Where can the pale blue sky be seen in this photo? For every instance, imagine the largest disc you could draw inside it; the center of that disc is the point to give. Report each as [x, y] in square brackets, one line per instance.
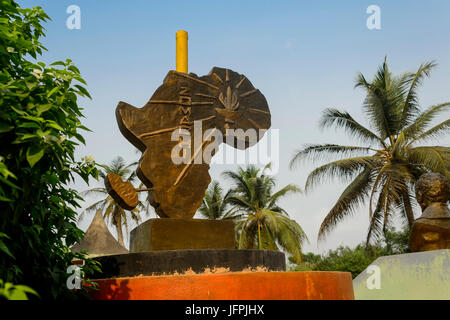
[302, 55]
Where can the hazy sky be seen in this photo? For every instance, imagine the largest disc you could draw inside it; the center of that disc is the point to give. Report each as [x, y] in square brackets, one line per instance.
[302, 55]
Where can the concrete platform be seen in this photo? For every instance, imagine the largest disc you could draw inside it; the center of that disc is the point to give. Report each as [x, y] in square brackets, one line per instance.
[411, 276]
[307, 285]
[177, 234]
[179, 261]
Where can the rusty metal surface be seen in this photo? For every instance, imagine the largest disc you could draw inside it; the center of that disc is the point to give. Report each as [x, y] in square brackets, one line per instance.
[122, 192]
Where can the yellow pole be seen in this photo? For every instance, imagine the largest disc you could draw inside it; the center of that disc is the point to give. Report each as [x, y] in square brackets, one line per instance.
[182, 51]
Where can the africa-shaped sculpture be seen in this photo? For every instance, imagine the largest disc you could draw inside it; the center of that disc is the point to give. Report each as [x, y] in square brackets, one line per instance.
[223, 100]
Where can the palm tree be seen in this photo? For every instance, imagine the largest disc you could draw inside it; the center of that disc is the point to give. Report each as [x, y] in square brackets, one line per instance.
[388, 167]
[215, 204]
[117, 216]
[264, 224]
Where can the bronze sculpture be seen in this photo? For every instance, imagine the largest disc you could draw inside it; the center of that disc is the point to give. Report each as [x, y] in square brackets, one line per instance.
[432, 230]
[178, 131]
[223, 100]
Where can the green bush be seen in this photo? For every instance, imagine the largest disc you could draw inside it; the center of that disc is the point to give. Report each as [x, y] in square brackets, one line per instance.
[39, 130]
[355, 260]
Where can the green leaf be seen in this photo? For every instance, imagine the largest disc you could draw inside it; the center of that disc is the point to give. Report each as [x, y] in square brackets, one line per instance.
[80, 79]
[26, 289]
[54, 125]
[85, 128]
[4, 235]
[5, 249]
[74, 69]
[18, 111]
[83, 90]
[80, 138]
[4, 127]
[58, 63]
[41, 133]
[29, 125]
[23, 137]
[9, 183]
[32, 118]
[17, 295]
[4, 199]
[30, 85]
[53, 91]
[34, 154]
[43, 108]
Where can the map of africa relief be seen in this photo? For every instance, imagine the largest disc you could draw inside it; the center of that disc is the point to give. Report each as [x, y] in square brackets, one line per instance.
[223, 100]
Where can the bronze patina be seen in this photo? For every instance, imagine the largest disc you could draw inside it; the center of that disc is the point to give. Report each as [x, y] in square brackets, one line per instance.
[122, 192]
[223, 100]
[432, 230]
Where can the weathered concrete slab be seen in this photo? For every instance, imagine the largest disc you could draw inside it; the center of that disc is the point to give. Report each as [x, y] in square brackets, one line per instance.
[176, 234]
[180, 261]
[419, 275]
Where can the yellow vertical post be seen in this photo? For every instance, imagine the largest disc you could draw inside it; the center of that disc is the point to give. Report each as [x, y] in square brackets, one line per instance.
[182, 51]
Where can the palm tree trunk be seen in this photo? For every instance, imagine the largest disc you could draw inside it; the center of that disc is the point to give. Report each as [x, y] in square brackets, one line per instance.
[118, 218]
[259, 236]
[408, 209]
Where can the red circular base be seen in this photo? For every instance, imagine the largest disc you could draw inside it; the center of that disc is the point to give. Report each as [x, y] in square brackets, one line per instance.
[302, 285]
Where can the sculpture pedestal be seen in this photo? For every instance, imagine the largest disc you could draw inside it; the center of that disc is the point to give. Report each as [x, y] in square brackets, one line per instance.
[177, 234]
[213, 269]
[180, 261]
[410, 276]
[314, 285]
